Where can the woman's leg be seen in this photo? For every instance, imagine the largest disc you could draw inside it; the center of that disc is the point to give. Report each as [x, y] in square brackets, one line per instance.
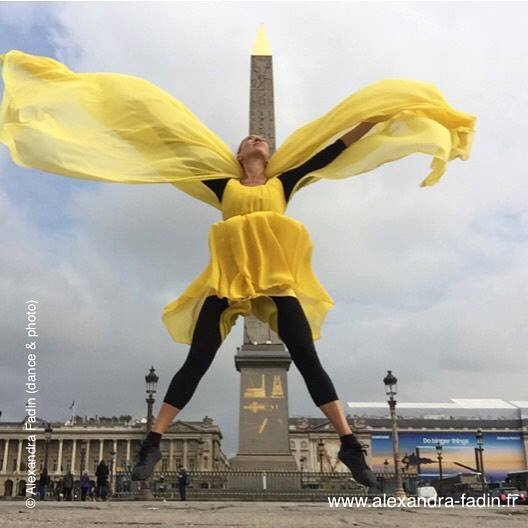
[335, 413]
[205, 343]
[295, 332]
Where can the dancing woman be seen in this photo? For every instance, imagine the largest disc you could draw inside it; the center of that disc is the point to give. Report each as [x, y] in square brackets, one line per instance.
[118, 128]
[255, 204]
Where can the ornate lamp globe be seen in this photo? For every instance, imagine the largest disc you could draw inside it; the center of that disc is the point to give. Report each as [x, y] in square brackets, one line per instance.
[152, 381]
[390, 382]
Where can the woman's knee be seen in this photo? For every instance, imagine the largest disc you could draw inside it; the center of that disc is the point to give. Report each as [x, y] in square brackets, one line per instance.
[308, 363]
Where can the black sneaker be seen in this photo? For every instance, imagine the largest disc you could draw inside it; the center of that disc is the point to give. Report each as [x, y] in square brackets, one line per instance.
[149, 455]
[354, 459]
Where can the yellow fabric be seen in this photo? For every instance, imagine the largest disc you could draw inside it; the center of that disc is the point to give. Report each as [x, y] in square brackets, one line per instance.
[256, 251]
[107, 127]
[120, 128]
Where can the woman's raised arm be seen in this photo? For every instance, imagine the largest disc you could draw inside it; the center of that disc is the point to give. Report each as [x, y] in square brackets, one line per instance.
[356, 133]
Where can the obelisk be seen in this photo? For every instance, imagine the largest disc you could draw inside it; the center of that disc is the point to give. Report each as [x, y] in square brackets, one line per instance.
[262, 361]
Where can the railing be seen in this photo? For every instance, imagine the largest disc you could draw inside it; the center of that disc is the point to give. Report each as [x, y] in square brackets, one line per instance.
[249, 485]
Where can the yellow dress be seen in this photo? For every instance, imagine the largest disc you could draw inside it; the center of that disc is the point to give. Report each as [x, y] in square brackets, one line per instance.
[256, 251]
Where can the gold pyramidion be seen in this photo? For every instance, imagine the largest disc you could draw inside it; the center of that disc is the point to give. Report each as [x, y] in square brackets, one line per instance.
[261, 45]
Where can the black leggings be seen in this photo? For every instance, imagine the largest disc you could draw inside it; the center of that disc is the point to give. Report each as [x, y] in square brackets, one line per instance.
[293, 329]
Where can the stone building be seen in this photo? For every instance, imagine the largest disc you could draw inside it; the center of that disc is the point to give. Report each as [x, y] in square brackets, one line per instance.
[314, 443]
[83, 444]
[421, 427]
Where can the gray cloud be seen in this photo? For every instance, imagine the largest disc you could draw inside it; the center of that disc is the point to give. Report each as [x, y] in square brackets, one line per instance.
[429, 282]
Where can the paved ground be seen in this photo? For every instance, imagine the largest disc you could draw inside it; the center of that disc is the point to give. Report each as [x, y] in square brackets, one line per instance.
[15, 514]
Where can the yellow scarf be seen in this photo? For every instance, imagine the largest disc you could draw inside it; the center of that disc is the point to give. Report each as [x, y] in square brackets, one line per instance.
[120, 128]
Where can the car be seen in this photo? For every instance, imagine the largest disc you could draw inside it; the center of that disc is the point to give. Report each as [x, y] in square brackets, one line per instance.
[506, 496]
[426, 492]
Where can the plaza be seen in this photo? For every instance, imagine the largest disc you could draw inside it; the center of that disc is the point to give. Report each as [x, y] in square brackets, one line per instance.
[250, 514]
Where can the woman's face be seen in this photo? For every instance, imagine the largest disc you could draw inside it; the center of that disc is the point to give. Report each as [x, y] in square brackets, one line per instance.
[253, 144]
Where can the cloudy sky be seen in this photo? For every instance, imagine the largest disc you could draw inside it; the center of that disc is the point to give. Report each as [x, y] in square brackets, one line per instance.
[430, 282]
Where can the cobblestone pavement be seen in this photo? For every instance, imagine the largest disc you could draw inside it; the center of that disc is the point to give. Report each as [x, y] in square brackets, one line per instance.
[219, 514]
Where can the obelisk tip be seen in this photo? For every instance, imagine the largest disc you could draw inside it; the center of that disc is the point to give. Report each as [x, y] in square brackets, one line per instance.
[261, 45]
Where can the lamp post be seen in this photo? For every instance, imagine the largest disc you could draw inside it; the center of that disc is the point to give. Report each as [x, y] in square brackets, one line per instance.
[439, 457]
[302, 460]
[390, 382]
[152, 383]
[112, 465]
[385, 471]
[321, 453]
[480, 448]
[151, 380]
[83, 454]
[47, 439]
[200, 452]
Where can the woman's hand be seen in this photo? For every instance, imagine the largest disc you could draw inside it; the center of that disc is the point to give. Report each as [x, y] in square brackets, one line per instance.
[356, 133]
[377, 119]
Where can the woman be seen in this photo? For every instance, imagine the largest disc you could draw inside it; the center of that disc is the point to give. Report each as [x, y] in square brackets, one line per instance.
[44, 481]
[183, 482]
[85, 484]
[293, 326]
[120, 128]
[58, 489]
[67, 485]
[102, 473]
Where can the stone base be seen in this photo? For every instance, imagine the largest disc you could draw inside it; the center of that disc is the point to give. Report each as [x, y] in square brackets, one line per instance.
[251, 462]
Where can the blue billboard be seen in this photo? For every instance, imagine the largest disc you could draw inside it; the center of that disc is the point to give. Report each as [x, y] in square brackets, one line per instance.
[503, 452]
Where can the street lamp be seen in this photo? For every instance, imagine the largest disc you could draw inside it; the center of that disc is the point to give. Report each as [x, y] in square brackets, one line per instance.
[385, 471]
[151, 380]
[390, 382]
[439, 456]
[83, 454]
[200, 452]
[480, 448]
[47, 439]
[112, 454]
[321, 453]
[152, 383]
[302, 460]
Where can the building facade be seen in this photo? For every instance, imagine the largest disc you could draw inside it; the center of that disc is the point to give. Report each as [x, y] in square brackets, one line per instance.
[421, 427]
[83, 444]
[313, 442]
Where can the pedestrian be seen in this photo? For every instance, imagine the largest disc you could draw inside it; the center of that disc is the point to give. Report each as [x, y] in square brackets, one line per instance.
[161, 485]
[85, 484]
[183, 482]
[51, 488]
[91, 491]
[67, 485]
[58, 489]
[44, 481]
[102, 473]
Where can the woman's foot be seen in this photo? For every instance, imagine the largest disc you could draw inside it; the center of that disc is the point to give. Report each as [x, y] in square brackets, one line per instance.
[352, 455]
[148, 456]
